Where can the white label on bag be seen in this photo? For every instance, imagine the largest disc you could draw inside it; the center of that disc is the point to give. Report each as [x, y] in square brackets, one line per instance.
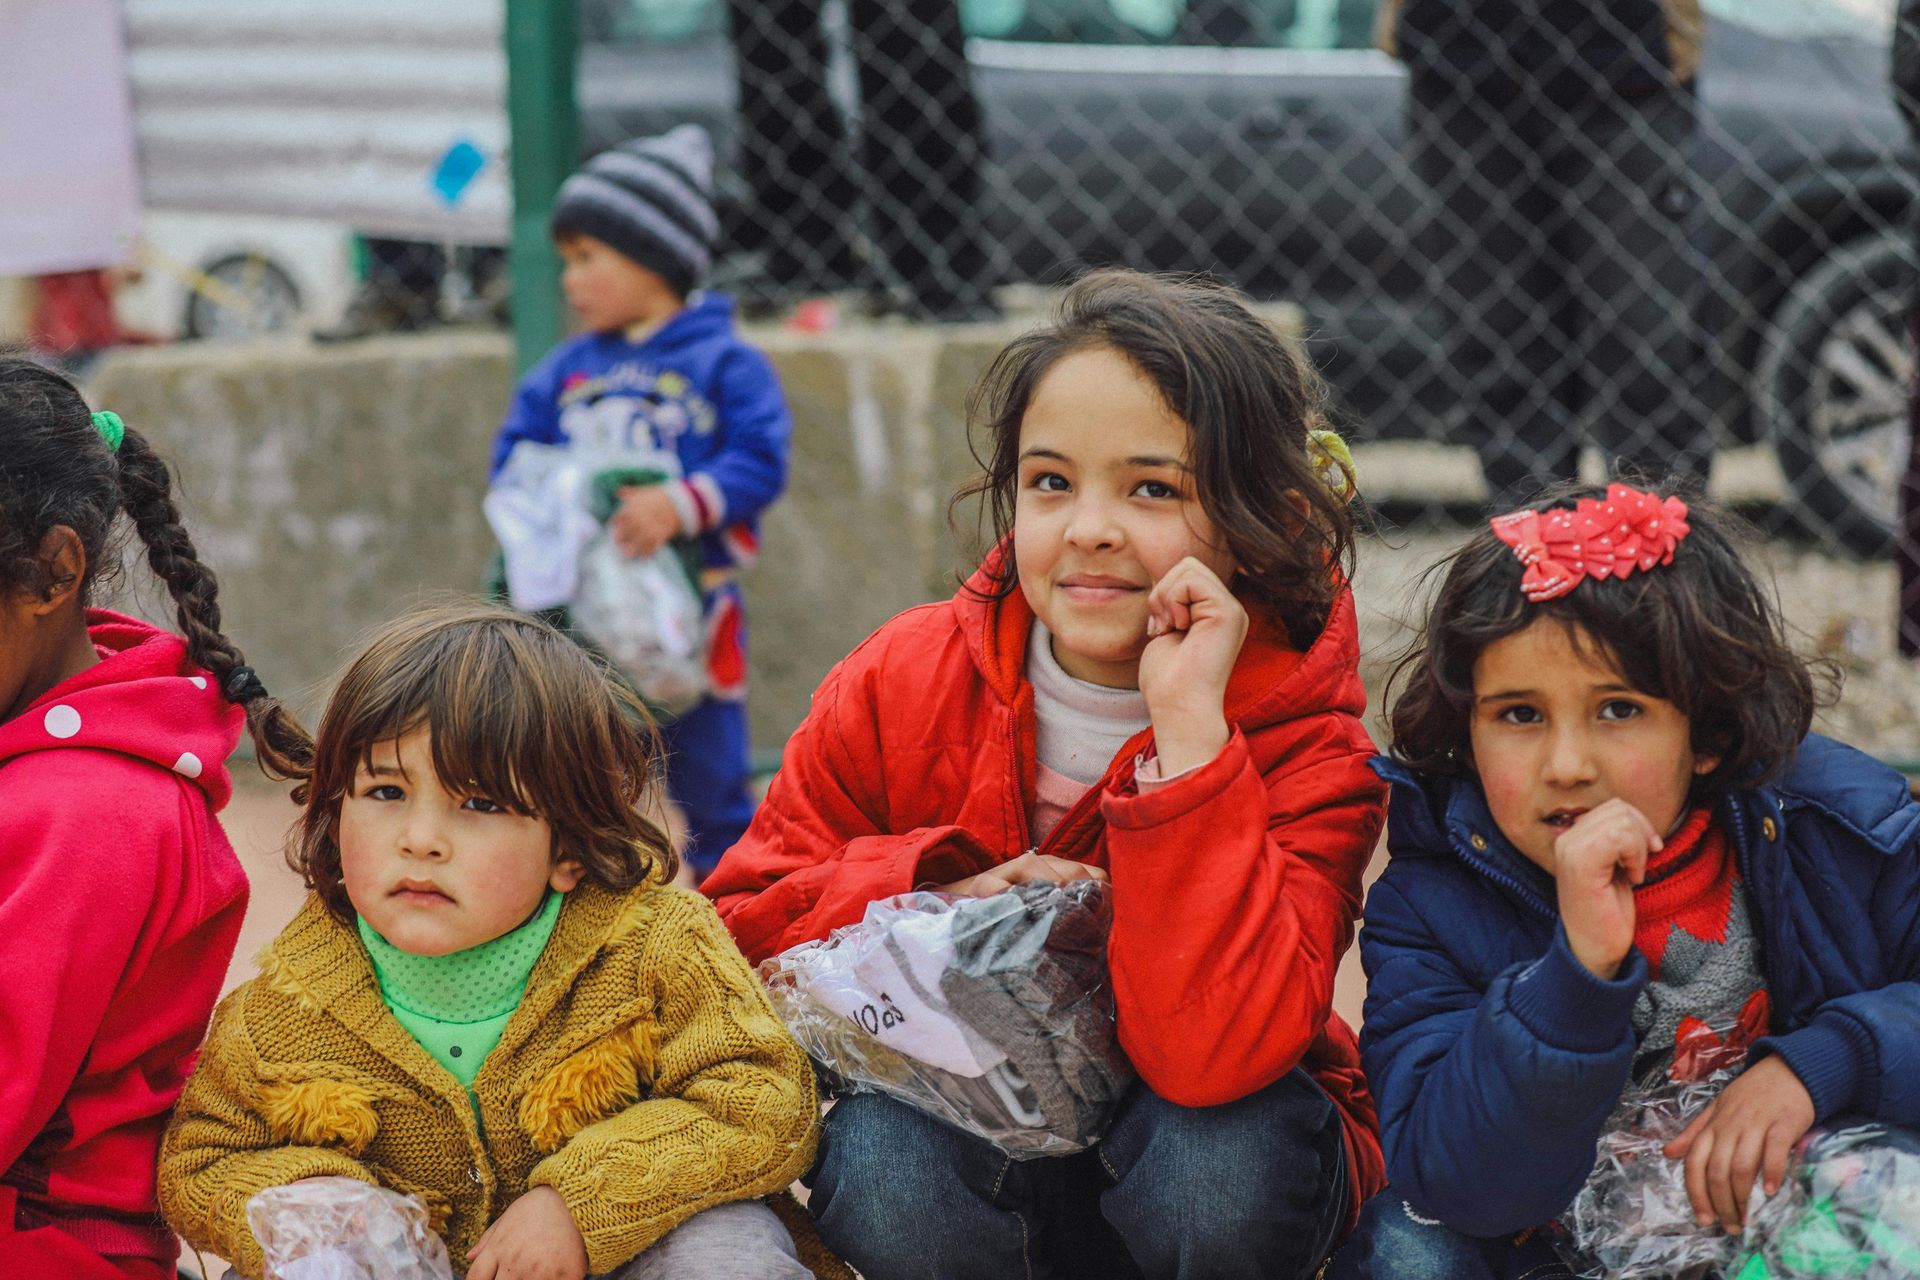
[902, 1010]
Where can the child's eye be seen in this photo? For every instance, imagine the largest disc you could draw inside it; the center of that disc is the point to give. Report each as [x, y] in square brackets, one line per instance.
[1049, 482]
[1619, 709]
[385, 791]
[1520, 714]
[1156, 489]
[480, 804]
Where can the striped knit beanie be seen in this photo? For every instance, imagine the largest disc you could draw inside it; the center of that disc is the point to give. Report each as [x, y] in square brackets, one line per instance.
[651, 199]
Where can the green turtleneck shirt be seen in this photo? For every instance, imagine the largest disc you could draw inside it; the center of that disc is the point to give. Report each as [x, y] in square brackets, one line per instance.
[457, 1005]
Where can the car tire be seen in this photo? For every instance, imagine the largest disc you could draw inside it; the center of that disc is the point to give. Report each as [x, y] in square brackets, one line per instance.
[1830, 391]
[244, 295]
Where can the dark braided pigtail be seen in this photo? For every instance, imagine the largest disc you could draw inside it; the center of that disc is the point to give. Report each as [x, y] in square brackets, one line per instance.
[282, 745]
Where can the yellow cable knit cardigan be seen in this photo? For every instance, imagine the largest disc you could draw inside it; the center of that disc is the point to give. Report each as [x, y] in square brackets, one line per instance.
[644, 1077]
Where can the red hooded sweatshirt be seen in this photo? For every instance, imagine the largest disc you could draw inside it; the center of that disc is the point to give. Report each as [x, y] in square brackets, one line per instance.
[120, 903]
[1235, 886]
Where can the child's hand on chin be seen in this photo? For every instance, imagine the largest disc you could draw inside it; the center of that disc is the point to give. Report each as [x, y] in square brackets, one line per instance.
[535, 1239]
[1596, 863]
[1750, 1129]
[1195, 628]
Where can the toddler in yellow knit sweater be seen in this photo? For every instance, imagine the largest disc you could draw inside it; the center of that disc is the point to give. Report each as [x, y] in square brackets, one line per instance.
[491, 1000]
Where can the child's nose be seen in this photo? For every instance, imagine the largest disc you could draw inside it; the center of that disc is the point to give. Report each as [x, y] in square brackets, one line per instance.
[1092, 524]
[423, 836]
[1569, 758]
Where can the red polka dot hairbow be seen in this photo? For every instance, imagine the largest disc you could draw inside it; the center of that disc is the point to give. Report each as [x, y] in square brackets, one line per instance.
[1607, 537]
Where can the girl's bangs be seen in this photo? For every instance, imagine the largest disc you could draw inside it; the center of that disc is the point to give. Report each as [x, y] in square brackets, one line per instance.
[481, 706]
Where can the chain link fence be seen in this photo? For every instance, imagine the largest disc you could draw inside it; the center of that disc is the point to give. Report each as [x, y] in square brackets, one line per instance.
[1662, 230]
[1650, 229]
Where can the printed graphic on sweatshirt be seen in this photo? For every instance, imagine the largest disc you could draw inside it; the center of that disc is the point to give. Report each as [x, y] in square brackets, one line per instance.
[632, 408]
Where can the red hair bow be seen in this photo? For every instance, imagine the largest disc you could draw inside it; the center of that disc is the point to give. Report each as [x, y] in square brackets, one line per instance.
[1607, 537]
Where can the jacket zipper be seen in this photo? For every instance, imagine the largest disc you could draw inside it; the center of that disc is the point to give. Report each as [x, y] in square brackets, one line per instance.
[1528, 898]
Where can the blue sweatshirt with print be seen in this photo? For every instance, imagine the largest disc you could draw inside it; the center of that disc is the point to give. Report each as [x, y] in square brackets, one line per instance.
[694, 393]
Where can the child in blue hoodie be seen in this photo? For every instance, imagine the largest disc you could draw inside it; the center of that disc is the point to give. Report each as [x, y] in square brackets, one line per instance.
[1608, 818]
[659, 370]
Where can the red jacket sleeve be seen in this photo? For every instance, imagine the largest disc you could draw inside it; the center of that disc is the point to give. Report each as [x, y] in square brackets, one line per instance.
[1235, 896]
[818, 850]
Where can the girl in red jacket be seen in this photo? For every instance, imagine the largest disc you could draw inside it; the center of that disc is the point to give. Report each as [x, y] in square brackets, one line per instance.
[1152, 679]
[120, 898]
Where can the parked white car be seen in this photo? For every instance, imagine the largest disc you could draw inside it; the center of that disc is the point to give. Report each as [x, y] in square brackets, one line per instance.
[214, 275]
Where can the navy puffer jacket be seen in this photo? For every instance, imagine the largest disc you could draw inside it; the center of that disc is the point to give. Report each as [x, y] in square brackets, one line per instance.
[1495, 1056]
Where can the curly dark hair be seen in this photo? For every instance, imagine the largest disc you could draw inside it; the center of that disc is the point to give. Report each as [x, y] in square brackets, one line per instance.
[1248, 399]
[57, 471]
[516, 712]
[1702, 633]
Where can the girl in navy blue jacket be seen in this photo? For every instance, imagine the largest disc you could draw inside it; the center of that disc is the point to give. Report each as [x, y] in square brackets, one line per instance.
[1608, 817]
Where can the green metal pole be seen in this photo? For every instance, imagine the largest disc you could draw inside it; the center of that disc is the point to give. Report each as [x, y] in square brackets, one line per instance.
[543, 121]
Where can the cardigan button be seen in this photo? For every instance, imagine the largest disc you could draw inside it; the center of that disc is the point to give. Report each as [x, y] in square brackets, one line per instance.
[1767, 828]
[1479, 842]
[473, 1173]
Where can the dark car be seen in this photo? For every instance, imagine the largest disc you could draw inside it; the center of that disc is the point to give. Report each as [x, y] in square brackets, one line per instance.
[1123, 131]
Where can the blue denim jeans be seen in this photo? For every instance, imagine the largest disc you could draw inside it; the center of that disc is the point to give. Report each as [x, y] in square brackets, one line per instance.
[1253, 1188]
[1394, 1241]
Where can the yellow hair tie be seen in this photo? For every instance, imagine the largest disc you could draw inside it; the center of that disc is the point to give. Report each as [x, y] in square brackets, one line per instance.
[1333, 460]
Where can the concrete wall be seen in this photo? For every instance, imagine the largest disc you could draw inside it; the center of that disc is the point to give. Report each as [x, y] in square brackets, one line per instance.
[329, 487]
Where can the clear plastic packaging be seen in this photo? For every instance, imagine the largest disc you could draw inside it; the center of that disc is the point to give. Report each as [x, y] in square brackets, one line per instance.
[345, 1229]
[645, 615]
[549, 508]
[992, 1014]
[1633, 1220]
[1850, 1207]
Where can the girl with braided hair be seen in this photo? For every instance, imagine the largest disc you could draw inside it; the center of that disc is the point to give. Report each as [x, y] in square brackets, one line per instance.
[120, 897]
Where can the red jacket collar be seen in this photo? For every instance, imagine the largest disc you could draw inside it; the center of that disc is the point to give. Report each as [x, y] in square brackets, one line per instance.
[1271, 682]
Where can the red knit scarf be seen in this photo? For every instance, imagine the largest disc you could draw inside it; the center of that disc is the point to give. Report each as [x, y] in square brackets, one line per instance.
[1689, 884]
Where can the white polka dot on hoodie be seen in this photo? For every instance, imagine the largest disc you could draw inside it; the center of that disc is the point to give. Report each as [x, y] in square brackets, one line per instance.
[62, 721]
[188, 765]
[198, 682]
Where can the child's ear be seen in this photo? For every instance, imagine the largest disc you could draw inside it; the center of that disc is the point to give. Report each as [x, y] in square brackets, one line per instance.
[1704, 765]
[567, 875]
[64, 559]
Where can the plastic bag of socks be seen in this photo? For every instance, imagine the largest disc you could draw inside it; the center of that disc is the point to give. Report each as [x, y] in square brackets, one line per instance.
[992, 1014]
